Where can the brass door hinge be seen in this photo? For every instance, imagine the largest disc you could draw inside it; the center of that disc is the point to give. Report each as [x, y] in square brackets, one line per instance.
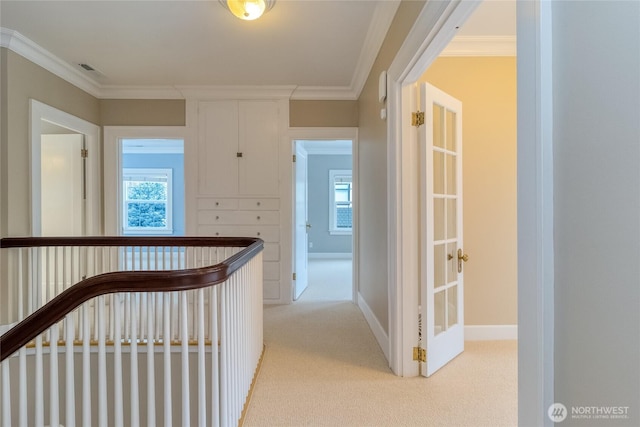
[294, 276]
[417, 118]
[84, 153]
[294, 158]
[419, 354]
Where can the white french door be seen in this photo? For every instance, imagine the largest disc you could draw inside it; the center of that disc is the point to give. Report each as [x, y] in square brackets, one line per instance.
[442, 255]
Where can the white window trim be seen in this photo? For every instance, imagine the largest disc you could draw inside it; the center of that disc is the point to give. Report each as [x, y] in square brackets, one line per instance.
[333, 229]
[169, 203]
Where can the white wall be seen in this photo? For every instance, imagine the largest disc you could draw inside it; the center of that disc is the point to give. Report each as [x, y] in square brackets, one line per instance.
[596, 122]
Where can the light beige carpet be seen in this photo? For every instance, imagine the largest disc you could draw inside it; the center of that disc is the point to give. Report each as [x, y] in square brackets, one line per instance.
[323, 367]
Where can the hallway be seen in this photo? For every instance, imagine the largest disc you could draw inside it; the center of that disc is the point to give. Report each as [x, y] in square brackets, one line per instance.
[323, 367]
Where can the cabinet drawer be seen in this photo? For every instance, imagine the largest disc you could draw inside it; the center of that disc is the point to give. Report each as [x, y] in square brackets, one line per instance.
[217, 204]
[238, 217]
[259, 204]
[269, 233]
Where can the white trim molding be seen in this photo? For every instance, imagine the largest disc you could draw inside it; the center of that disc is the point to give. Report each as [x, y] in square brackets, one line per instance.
[490, 332]
[377, 329]
[481, 46]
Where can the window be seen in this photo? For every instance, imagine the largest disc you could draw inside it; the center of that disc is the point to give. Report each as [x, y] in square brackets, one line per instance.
[340, 202]
[147, 196]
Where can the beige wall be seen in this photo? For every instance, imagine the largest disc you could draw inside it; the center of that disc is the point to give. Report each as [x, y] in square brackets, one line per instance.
[487, 88]
[323, 113]
[22, 80]
[25, 80]
[142, 112]
[372, 158]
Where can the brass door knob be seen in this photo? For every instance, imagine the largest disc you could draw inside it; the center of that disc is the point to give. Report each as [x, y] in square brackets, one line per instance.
[461, 257]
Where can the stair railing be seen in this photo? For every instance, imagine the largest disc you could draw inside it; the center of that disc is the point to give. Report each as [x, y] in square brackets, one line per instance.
[124, 331]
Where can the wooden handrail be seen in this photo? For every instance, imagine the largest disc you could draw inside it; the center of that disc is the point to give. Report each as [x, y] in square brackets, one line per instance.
[130, 281]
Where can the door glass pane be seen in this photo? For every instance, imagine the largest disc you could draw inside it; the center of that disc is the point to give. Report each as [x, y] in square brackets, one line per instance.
[439, 312]
[451, 174]
[438, 219]
[451, 130]
[438, 125]
[451, 219]
[438, 172]
[452, 306]
[439, 265]
[452, 264]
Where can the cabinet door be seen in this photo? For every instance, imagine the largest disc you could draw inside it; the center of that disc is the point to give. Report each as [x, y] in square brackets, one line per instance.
[217, 148]
[258, 142]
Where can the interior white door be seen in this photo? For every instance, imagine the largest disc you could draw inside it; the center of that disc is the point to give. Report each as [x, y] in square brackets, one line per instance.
[62, 185]
[442, 278]
[302, 225]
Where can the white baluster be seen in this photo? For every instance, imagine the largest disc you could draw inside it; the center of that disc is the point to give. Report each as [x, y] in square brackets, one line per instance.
[86, 366]
[151, 387]
[184, 336]
[70, 397]
[6, 394]
[215, 362]
[22, 418]
[54, 404]
[166, 338]
[103, 410]
[117, 361]
[39, 386]
[135, 402]
[202, 396]
[224, 356]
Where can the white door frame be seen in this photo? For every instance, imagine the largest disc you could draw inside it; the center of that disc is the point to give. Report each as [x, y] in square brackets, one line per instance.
[319, 134]
[432, 31]
[112, 166]
[39, 112]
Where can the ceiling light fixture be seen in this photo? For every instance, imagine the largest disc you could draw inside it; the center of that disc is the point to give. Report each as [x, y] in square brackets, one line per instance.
[248, 10]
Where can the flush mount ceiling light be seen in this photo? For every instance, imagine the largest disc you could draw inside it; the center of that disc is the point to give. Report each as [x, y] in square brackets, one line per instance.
[248, 10]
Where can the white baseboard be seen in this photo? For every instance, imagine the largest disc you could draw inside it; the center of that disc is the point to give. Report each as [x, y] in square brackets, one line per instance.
[330, 255]
[490, 332]
[376, 327]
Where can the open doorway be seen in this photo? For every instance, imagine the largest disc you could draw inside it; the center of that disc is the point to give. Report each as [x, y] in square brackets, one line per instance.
[65, 180]
[324, 230]
[145, 191]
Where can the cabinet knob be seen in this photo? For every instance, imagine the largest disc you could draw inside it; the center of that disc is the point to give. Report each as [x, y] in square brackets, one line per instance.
[217, 217]
[217, 203]
[258, 217]
[238, 154]
[258, 203]
[217, 234]
[258, 233]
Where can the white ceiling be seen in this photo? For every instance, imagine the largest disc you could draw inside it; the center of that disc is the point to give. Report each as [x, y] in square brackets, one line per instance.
[307, 45]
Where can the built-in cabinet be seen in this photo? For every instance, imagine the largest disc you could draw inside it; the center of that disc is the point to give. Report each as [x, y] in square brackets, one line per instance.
[238, 177]
[238, 148]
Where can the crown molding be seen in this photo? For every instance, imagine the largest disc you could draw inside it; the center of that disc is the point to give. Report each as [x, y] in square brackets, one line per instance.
[236, 92]
[481, 46]
[35, 53]
[383, 15]
[320, 93]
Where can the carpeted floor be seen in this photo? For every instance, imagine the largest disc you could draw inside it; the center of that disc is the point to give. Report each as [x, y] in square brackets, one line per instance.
[323, 367]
